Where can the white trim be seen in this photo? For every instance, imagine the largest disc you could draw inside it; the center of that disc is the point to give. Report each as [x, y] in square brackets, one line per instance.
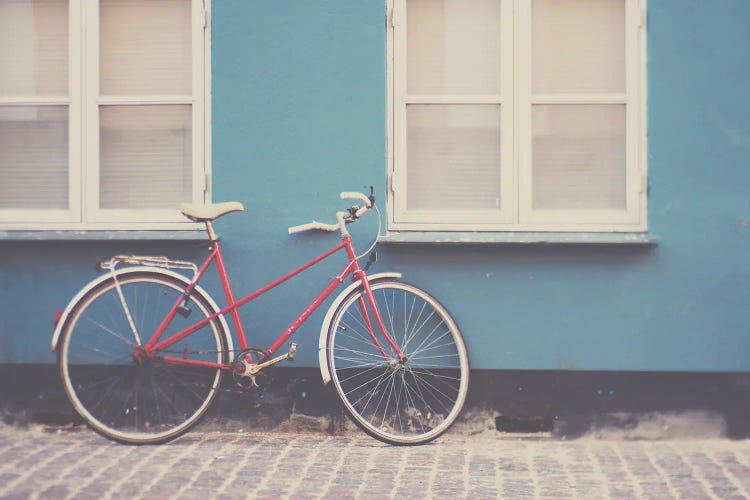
[508, 117]
[104, 226]
[90, 162]
[519, 238]
[141, 100]
[389, 110]
[554, 219]
[523, 80]
[643, 113]
[200, 23]
[97, 214]
[72, 101]
[35, 100]
[397, 29]
[397, 85]
[633, 175]
[579, 99]
[75, 111]
[206, 105]
[454, 99]
[516, 130]
[83, 104]
[561, 227]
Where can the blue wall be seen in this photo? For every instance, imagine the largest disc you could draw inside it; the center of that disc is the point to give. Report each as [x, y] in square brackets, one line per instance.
[299, 114]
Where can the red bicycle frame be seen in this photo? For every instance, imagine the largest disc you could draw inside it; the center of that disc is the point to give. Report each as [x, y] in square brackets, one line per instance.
[155, 343]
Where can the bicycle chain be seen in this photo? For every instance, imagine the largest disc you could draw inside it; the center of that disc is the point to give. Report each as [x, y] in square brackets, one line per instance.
[183, 352]
[233, 390]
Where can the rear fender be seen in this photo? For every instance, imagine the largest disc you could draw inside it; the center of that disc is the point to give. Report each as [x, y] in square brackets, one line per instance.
[138, 269]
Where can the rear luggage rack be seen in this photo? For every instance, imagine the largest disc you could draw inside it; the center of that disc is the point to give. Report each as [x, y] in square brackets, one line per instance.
[146, 260]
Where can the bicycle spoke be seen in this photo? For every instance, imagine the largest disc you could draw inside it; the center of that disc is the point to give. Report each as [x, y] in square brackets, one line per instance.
[426, 337]
[411, 400]
[448, 345]
[359, 374]
[389, 313]
[421, 381]
[116, 335]
[348, 367]
[437, 356]
[115, 414]
[184, 385]
[376, 356]
[408, 401]
[372, 393]
[389, 391]
[398, 400]
[108, 392]
[427, 372]
[411, 318]
[151, 400]
[169, 399]
[409, 336]
[368, 343]
[110, 356]
[348, 327]
[156, 398]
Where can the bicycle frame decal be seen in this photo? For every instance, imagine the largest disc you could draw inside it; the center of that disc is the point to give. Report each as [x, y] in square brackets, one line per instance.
[352, 268]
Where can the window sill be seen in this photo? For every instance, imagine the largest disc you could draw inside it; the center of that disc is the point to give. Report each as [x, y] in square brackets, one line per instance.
[100, 235]
[518, 238]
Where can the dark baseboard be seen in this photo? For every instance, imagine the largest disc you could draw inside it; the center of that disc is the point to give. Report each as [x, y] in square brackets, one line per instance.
[570, 402]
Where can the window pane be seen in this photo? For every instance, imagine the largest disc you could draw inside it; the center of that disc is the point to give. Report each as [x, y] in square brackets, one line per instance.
[578, 157]
[33, 47]
[145, 47]
[453, 47]
[578, 46]
[34, 157]
[146, 156]
[453, 157]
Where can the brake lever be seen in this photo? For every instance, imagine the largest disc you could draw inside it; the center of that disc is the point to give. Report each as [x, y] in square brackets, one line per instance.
[352, 214]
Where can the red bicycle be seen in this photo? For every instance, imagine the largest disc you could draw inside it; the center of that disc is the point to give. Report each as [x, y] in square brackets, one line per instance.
[142, 349]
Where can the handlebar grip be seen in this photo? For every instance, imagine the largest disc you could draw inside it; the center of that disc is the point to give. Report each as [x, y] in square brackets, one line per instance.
[313, 225]
[351, 195]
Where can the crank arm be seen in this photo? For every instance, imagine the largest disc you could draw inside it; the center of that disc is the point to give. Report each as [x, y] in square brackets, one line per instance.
[290, 355]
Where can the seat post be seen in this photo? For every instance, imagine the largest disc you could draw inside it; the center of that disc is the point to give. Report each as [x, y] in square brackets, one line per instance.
[210, 230]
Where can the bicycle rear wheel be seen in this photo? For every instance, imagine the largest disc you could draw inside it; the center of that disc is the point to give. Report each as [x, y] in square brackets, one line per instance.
[131, 400]
[399, 403]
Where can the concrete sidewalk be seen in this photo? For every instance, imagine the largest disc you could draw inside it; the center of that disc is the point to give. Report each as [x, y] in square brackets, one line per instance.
[40, 461]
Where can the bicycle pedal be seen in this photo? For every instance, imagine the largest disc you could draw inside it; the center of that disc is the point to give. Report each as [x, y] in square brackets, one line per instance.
[292, 351]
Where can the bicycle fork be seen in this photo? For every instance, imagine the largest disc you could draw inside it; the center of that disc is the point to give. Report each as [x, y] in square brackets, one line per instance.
[402, 358]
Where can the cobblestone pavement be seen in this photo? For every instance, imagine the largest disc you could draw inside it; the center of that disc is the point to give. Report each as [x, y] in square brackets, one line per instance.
[77, 463]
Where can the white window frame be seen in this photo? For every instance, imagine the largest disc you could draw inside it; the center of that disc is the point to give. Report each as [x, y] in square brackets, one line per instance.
[516, 100]
[83, 103]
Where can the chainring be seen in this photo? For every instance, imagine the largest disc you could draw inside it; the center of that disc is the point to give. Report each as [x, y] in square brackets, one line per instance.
[256, 382]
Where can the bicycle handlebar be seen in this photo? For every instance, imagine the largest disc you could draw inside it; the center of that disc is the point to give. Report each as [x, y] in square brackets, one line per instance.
[341, 217]
[353, 195]
[313, 225]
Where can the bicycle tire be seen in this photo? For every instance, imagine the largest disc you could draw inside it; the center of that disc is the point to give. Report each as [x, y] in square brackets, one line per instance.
[407, 403]
[144, 402]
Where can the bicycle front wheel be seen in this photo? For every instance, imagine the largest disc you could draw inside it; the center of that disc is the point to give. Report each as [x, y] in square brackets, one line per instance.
[134, 399]
[403, 403]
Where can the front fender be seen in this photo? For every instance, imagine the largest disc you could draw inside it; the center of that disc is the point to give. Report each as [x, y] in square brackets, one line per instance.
[329, 317]
[138, 269]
